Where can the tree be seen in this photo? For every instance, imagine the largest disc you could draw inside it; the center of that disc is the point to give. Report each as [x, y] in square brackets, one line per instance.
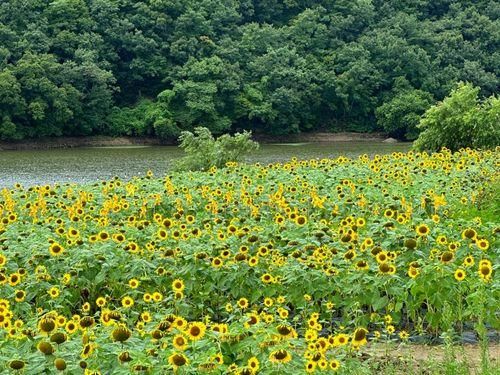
[203, 151]
[461, 120]
[400, 116]
[270, 65]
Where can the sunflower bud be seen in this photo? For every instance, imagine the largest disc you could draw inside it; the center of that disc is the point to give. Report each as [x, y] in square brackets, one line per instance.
[47, 325]
[45, 347]
[60, 364]
[87, 321]
[121, 334]
[124, 357]
[58, 338]
[16, 364]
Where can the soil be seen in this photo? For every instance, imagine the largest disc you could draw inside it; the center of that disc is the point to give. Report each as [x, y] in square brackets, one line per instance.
[419, 355]
[105, 141]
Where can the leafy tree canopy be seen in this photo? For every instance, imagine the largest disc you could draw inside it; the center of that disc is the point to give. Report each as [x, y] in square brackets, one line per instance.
[159, 67]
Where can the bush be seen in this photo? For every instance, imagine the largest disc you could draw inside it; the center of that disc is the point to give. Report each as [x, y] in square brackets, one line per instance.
[459, 121]
[131, 121]
[400, 116]
[203, 151]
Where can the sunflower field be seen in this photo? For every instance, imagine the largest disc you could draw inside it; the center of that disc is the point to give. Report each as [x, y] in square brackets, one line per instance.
[286, 268]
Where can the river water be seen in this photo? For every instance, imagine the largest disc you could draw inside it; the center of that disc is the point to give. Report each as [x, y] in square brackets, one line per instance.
[85, 165]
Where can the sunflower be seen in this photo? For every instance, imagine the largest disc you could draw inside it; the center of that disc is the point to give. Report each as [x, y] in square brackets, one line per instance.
[87, 350]
[45, 347]
[403, 335]
[359, 337]
[441, 240]
[242, 303]
[86, 307]
[362, 265]
[413, 272]
[218, 358]
[127, 302]
[180, 342]
[485, 271]
[334, 365]
[71, 327]
[253, 261]
[468, 261]
[178, 285]
[118, 237]
[103, 236]
[385, 268]
[410, 243]
[267, 278]
[162, 234]
[340, 339]
[381, 257]
[20, 295]
[422, 230]
[254, 364]
[54, 292]
[301, 220]
[280, 356]
[310, 367]
[180, 323]
[14, 279]
[60, 364]
[217, 262]
[447, 257]
[17, 364]
[157, 296]
[459, 274]
[469, 233]
[58, 338]
[100, 301]
[56, 249]
[178, 360]
[124, 357]
[86, 322]
[121, 334]
[146, 316]
[483, 244]
[196, 331]
[368, 242]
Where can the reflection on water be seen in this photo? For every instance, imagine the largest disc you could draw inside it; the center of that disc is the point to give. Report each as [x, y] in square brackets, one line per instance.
[91, 164]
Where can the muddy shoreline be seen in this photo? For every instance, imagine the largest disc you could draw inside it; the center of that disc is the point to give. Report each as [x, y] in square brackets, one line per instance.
[105, 141]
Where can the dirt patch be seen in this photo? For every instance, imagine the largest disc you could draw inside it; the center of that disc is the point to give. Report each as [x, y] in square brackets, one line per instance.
[421, 355]
[104, 141]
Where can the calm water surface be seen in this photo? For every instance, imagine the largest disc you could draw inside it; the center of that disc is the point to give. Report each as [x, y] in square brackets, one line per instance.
[85, 165]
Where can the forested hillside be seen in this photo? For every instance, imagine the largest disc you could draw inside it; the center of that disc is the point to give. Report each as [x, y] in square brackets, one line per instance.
[156, 67]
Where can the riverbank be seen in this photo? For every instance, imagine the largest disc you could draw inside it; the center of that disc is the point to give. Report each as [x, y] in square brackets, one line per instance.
[105, 141]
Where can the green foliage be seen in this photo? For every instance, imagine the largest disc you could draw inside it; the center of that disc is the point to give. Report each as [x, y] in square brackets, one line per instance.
[461, 120]
[400, 116]
[204, 151]
[67, 67]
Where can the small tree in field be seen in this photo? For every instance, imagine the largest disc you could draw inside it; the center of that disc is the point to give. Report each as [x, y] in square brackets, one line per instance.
[203, 151]
[461, 120]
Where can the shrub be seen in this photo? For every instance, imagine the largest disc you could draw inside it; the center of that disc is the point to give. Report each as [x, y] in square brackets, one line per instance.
[459, 121]
[204, 151]
[131, 121]
[400, 116]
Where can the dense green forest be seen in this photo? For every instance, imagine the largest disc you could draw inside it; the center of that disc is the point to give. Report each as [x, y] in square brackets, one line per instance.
[157, 67]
